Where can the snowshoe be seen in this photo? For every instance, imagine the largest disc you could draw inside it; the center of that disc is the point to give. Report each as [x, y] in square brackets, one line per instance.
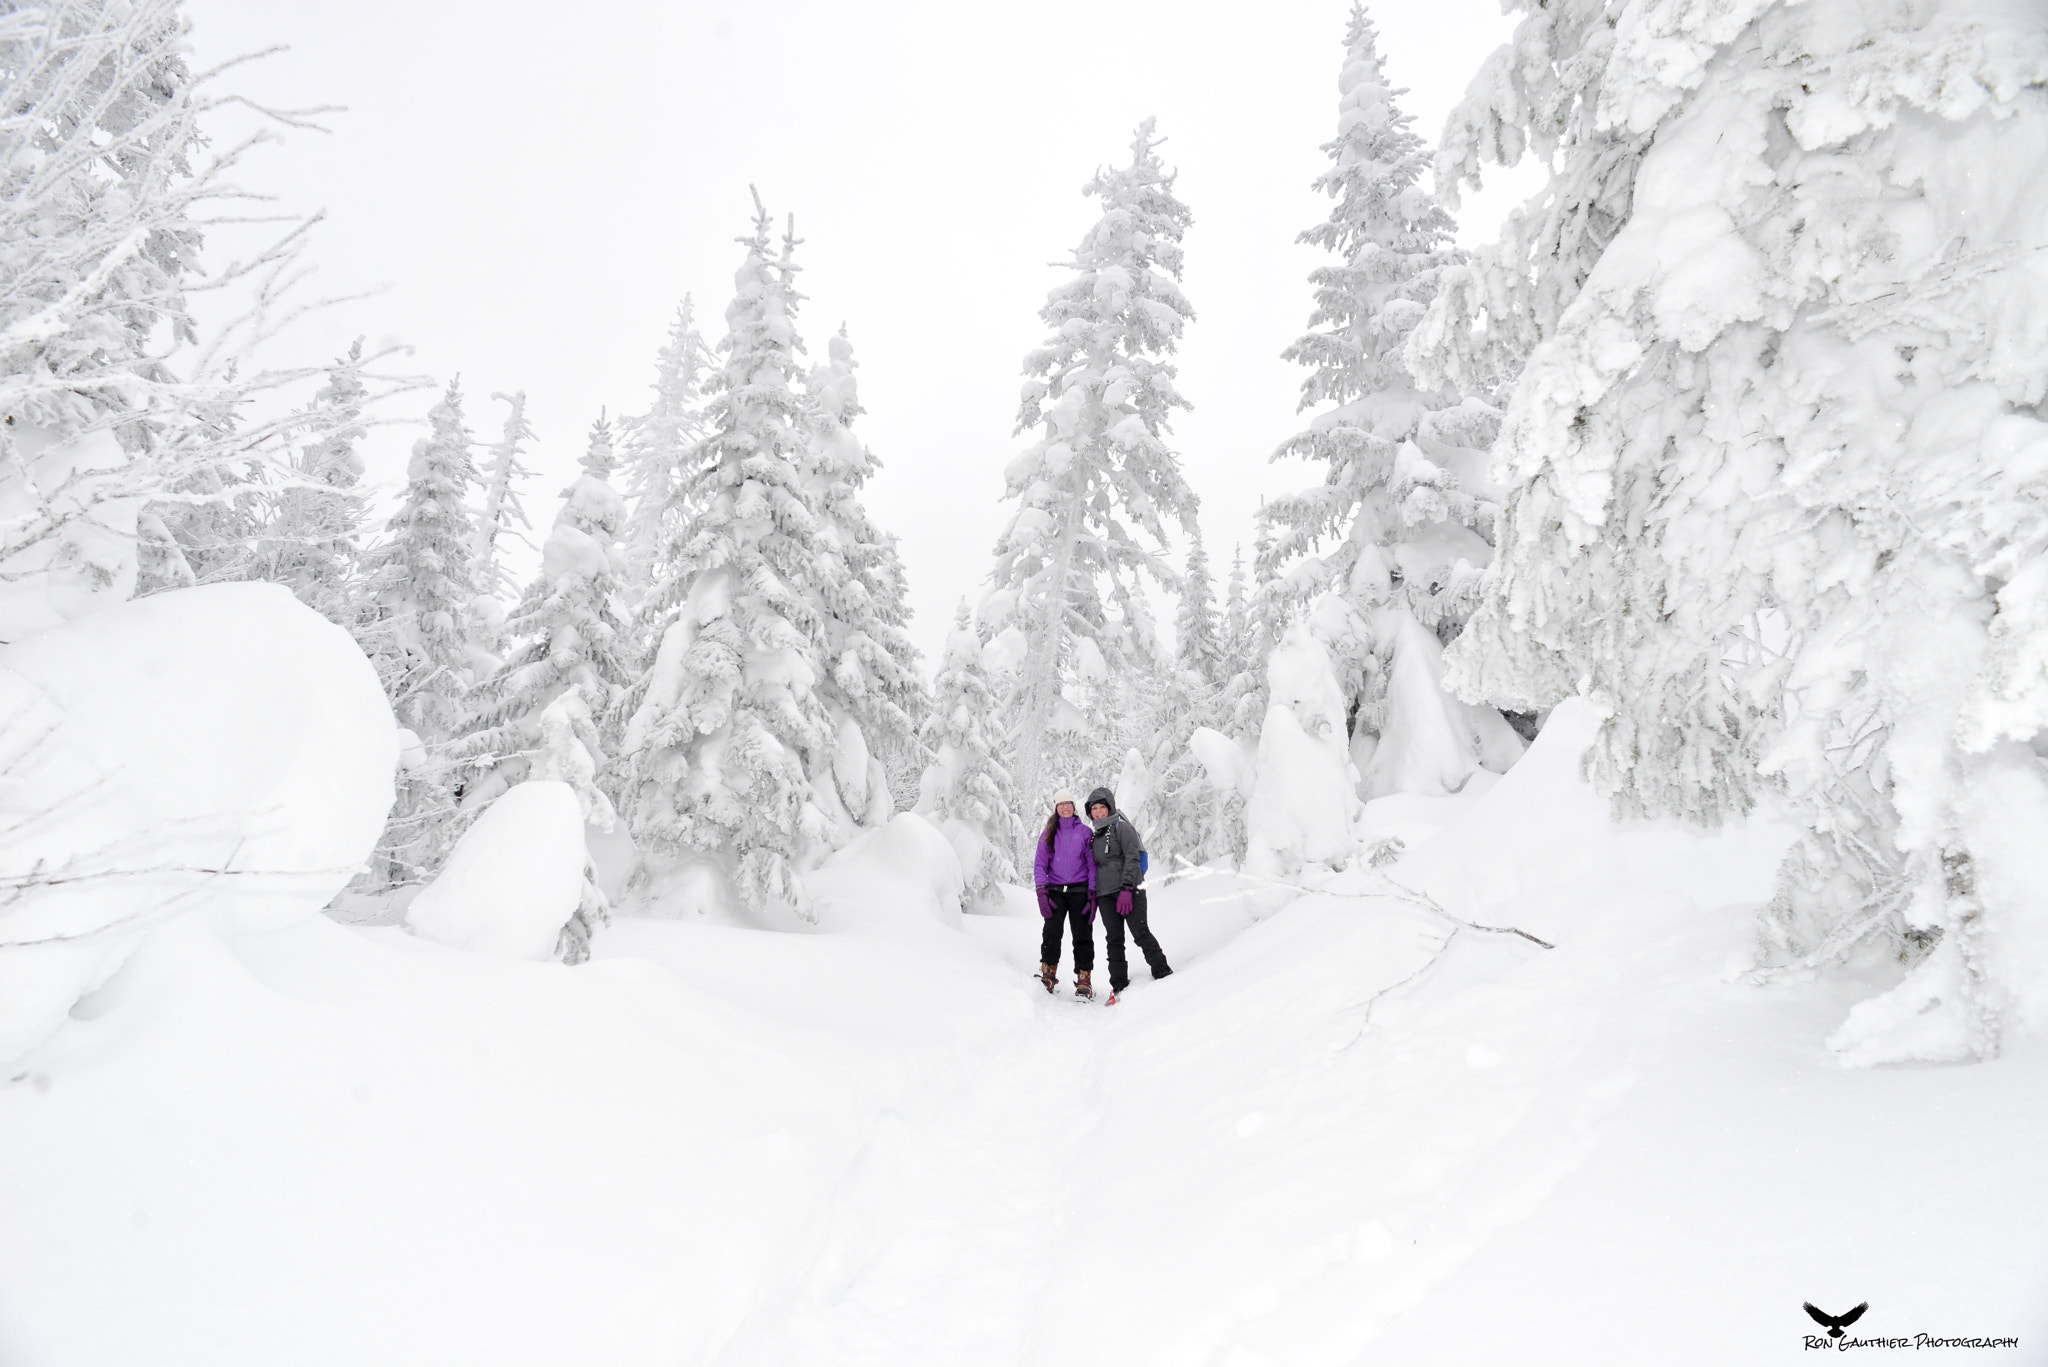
[1082, 989]
[1049, 978]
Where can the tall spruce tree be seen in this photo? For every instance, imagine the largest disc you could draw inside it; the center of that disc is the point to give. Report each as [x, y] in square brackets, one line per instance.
[1095, 491]
[1398, 529]
[656, 448]
[421, 590]
[871, 667]
[545, 714]
[729, 721]
[312, 539]
[1198, 645]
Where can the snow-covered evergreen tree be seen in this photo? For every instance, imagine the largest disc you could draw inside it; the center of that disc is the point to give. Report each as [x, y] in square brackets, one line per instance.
[1776, 502]
[871, 674]
[656, 448]
[545, 714]
[423, 579]
[312, 540]
[122, 426]
[1399, 528]
[1162, 782]
[1541, 95]
[1198, 644]
[1095, 492]
[729, 721]
[1265, 616]
[502, 514]
[1235, 621]
[966, 789]
[417, 629]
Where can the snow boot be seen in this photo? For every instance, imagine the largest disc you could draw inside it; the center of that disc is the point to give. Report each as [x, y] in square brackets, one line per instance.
[1082, 989]
[1050, 976]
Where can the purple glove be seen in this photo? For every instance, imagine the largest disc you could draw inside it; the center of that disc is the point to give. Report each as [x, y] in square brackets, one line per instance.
[1123, 901]
[1091, 908]
[1044, 902]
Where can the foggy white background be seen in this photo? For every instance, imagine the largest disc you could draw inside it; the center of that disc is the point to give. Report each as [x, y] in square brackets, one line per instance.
[535, 186]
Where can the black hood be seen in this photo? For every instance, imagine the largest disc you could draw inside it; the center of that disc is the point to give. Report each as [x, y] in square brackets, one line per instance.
[1102, 795]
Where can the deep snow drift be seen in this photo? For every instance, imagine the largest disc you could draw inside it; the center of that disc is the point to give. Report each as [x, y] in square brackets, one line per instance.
[1332, 1137]
[267, 1137]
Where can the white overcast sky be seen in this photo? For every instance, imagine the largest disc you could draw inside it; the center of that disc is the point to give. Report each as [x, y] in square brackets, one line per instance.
[536, 185]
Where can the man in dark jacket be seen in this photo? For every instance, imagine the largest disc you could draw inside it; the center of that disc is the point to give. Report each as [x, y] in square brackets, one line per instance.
[1119, 874]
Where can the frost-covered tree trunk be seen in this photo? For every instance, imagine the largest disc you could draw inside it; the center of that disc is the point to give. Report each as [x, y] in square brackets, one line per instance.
[1775, 460]
[729, 722]
[871, 678]
[657, 447]
[123, 430]
[1095, 491]
[1399, 530]
[545, 714]
[966, 789]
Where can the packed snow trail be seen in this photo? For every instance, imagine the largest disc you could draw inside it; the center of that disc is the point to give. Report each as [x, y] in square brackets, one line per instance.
[950, 1222]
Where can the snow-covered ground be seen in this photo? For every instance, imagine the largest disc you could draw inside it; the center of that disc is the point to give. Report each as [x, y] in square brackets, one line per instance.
[1320, 1142]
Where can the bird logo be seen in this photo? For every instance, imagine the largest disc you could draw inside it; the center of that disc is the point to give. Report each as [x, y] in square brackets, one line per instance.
[1835, 1324]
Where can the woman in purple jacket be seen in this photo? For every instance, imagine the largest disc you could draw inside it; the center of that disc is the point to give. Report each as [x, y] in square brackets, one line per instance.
[1065, 874]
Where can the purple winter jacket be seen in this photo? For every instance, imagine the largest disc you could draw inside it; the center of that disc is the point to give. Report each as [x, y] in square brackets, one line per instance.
[1071, 856]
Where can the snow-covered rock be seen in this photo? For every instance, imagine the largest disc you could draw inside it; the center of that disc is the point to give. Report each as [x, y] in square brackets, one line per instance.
[514, 879]
[224, 747]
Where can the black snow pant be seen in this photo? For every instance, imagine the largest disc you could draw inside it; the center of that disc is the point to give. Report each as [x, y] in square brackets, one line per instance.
[1113, 926]
[1069, 906]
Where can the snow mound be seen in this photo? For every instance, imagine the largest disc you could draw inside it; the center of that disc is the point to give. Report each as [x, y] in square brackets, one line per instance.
[905, 873]
[1431, 743]
[1539, 848]
[513, 880]
[223, 745]
[1304, 810]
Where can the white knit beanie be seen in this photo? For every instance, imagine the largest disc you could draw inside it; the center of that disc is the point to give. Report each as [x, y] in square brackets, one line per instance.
[1063, 796]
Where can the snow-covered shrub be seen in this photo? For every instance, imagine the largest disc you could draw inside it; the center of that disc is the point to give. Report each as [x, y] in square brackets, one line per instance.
[221, 747]
[127, 457]
[1096, 489]
[1777, 459]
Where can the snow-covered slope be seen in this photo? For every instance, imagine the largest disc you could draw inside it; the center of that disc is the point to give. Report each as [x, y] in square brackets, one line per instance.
[1322, 1141]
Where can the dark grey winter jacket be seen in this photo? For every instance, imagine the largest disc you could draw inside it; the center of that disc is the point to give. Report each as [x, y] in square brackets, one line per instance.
[1117, 847]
